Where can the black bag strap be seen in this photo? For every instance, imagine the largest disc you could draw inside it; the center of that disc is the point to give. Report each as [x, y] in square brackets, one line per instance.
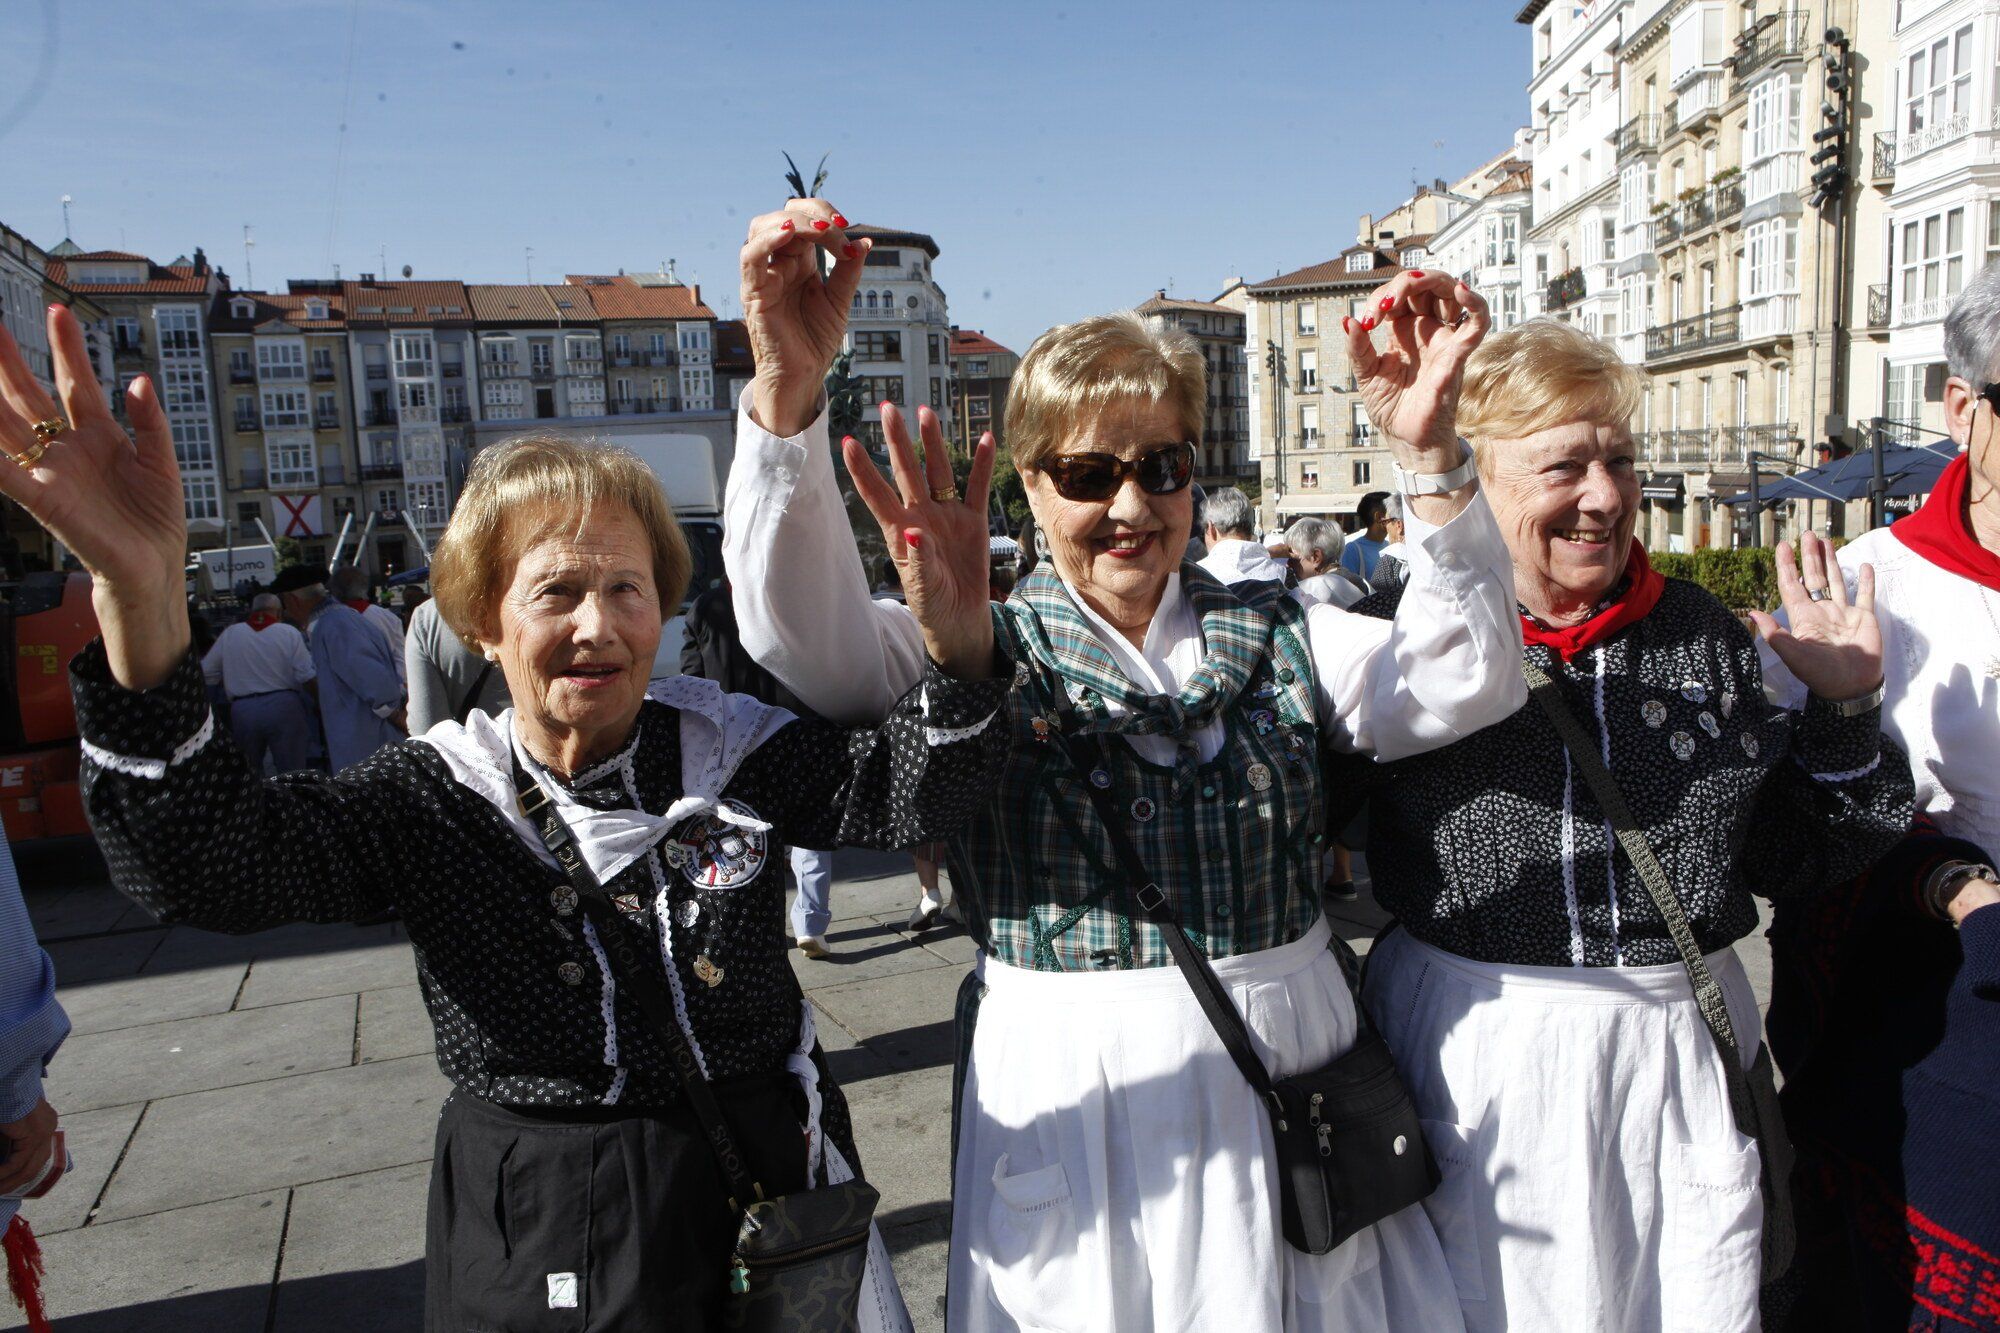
[1215, 1003]
[639, 980]
[471, 699]
[1707, 991]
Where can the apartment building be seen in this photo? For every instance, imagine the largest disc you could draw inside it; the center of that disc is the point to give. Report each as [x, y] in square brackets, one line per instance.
[659, 342]
[734, 366]
[290, 456]
[981, 370]
[1219, 328]
[1733, 290]
[899, 330]
[155, 315]
[1311, 443]
[1938, 161]
[1482, 244]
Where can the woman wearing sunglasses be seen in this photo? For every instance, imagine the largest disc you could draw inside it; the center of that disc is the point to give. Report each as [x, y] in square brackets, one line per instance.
[1114, 1169]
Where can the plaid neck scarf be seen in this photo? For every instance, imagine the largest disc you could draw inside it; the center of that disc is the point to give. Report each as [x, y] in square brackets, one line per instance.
[1236, 635]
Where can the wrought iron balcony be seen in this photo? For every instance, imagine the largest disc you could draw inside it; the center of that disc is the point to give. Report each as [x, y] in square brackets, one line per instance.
[1726, 199]
[326, 421]
[242, 375]
[630, 407]
[1641, 134]
[1783, 39]
[542, 374]
[1878, 305]
[455, 415]
[378, 372]
[1565, 290]
[248, 423]
[250, 479]
[454, 370]
[378, 416]
[381, 472]
[1716, 328]
[323, 373]
[1885, 157]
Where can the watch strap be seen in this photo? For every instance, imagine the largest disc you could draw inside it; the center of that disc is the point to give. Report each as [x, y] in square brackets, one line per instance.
[1416, 484]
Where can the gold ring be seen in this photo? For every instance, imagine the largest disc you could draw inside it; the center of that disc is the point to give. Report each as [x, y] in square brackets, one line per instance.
[47, 431]
[34, 455]
[944, 495]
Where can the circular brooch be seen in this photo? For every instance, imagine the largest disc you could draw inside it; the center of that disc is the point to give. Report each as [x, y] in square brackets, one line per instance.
[712, 854]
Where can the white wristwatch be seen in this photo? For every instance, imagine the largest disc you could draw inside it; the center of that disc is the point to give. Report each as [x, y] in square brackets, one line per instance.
[1415, 484]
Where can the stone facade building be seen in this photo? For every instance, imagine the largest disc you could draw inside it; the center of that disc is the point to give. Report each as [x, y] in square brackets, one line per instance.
[1220, 328]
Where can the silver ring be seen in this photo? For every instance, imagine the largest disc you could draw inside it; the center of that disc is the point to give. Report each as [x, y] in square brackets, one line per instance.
[1819, 594]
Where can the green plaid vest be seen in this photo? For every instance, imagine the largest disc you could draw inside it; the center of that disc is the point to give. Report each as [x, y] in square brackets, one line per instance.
[1236, 842]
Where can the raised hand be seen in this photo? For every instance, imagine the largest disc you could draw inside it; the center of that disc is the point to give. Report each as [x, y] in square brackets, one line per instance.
[937, 539]
[1411, 386]
[1832, 646]
[796, 318]
[112, 499]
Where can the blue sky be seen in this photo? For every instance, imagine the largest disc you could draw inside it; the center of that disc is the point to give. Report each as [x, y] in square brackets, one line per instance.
[1069, 158]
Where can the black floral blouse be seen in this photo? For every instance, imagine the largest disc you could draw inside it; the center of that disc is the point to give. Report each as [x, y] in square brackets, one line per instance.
[1495, 849]
[519, 991]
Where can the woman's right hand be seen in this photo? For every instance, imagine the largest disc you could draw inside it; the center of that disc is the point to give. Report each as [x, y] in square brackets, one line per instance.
[113, 500]
[796, 318]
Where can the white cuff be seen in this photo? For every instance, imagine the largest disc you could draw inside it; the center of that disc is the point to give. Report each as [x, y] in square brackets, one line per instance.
[153, 770]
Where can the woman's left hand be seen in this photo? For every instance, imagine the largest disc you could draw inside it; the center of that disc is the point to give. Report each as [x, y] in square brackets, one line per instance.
[1411, 386]
[1832, 646]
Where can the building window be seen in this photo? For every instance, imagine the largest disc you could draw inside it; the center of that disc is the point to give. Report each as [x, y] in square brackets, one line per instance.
[878, 347]
[698, 388]
[322, 363]
[180, 330]
[1360, 263]
[621, 344]
[291, 462]
[284, 409]
[281, 361]
[203, 499]
[184, 391]
[1510, 307]
[879, 389]
[326, 411]
[577, 349]
[1610, 234]
[1309, 477]
[194, 448]
[497, 353]
[1992, 233]
[1308, 370]
[1309, 425]
[656, 343]
[504, 400]
[1363, 471]
[623, 388]
[1939, 85]
[1359, 427]
[980, 408]
[317, 310]
[541, 355]
[1932, 262]
[663, 392]
[412, 355]
[1308, 317]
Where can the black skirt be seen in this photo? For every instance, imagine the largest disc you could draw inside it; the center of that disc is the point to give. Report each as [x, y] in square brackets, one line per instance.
[558, 1220]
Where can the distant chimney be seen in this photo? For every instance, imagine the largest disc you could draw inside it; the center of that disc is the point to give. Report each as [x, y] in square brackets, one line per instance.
[1163, 294]
[696, 289]
[1366, 231]
[367, 279]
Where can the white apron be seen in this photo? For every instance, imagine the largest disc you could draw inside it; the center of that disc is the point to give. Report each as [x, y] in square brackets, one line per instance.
[1593, 1176]
[1115, 1173]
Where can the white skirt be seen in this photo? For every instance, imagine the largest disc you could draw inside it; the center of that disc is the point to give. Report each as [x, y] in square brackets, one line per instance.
[1115, 1172]
[1593, 1176]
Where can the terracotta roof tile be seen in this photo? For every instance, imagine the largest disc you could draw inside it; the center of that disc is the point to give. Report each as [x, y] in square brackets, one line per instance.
[732, 346]
[161, 281]
[971, 342]
[289, 307]
[406, 303]
[1331, 273]
[1162, 301]
[618, 301]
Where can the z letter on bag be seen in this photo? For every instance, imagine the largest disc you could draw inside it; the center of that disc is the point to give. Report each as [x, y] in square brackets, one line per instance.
[562, 1291]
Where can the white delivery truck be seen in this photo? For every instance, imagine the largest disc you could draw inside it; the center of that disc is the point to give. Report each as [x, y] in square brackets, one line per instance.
[685, 463]
[228, 570]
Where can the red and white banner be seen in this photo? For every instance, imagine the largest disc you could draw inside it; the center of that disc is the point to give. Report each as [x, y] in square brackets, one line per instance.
[296, 516]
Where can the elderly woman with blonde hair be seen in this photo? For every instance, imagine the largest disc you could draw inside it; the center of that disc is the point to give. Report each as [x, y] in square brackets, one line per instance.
[1559, 986]
[1116, 1167]
[587, 879]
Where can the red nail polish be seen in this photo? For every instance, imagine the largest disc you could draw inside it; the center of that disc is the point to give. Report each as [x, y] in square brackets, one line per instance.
[1346, 324]
[886, 404]
[1388, 303]
[846, 440]
[1416, 273]
[1368, 324]
[851, 250]
[912, 537]
[786, 225]
[839, 221]
[821, 224]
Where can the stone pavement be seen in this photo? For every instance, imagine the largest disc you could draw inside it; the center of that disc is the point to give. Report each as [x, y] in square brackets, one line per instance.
[252, 1117]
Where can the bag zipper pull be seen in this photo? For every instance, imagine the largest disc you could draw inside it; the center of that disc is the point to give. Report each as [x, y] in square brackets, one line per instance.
[739, 1276]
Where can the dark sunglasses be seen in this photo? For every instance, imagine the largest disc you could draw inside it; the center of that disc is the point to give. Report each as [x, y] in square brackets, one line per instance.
[1991, 393]
[1161, 470]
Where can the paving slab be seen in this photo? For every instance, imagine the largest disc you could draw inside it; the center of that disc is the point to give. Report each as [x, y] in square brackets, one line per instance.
[862, 949]
[366, 1234]
[394, 1023]
[138, 1064]
[289, 1131]
[123, 1002]
[95, 1139]
[102, 957]
[902, 1124]
[918, 1251]
[905, 1018]
[206, 1268]
[188, 946]
[85, 909]
[339, 971]
[870, 898]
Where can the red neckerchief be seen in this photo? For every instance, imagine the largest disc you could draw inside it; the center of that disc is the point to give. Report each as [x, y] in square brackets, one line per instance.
[1643, 586]
[262, 619]
[1940, 533]
[358, 603]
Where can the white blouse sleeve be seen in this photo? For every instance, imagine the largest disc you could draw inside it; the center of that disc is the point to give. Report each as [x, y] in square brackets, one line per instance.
[1446, 666]
[802, 600]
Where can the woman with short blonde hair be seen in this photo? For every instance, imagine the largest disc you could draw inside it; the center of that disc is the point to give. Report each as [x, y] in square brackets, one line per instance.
[1597, 1174]
[1114, 1168]
[586, 878]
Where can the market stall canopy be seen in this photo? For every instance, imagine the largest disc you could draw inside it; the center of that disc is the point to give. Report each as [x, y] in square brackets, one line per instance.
[1906, 469]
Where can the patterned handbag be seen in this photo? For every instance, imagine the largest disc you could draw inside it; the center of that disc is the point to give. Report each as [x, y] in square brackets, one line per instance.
[800, 1258]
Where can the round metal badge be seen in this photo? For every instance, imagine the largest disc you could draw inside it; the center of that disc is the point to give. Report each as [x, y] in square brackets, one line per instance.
[1683, 745]
[1710, 725]
[712, 854]
[687, 914]
[1100, 778]
[1694, 692]
[563, 900]
[1749, 745]
[1143, 810]
[1258, 776]
[1654, 712]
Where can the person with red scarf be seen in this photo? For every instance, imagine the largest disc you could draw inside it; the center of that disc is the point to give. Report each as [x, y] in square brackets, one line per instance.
[1886, 1019]
[1594, 1176]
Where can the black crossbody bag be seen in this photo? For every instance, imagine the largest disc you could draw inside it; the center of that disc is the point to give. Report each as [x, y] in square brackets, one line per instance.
[800, 1258]
[1350, 1148]
[1753, 1093]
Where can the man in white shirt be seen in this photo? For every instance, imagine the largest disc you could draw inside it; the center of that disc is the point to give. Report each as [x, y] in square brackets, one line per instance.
[1230, 532]
[350, 585]
[265, 670]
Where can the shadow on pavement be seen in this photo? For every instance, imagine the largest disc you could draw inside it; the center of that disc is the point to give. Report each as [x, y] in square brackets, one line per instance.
[379, 1300]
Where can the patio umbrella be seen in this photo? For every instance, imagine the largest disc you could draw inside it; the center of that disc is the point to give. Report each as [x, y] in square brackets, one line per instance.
[1906, 469]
